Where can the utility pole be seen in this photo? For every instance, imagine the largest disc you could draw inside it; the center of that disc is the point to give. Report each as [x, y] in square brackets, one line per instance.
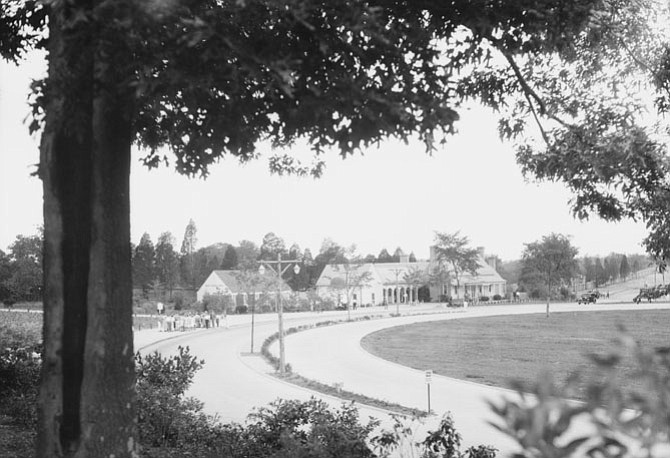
[279, 267]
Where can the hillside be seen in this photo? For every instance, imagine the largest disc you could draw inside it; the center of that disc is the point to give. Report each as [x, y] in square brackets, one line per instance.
[627, 290]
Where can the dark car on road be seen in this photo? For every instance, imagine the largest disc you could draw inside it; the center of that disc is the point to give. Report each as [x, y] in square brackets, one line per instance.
[653, 293]
[589, 298]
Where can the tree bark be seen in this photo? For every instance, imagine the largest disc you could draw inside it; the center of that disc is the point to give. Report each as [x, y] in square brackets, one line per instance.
[87, 401]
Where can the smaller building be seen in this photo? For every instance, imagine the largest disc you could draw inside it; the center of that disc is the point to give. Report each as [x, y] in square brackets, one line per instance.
[228, 283]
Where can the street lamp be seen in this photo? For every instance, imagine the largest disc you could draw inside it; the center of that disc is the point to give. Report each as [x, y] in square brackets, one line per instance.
[253, 312]
[279, 269]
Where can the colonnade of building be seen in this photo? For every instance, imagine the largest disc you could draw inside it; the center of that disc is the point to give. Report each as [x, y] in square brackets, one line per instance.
[400, 294]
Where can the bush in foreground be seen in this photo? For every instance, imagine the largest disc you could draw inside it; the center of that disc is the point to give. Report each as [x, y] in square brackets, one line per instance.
[173, 425]
[445, 442]
[20, 365]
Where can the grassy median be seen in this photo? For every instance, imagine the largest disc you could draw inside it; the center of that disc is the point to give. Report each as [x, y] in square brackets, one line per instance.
[496, 350]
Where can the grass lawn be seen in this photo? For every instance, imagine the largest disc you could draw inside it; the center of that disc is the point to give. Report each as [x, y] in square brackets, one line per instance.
[495, 350]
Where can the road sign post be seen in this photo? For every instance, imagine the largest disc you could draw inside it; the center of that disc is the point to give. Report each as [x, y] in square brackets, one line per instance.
[429, 377]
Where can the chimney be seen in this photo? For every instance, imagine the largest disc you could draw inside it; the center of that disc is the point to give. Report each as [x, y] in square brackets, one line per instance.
[491, 261]
[433, 254]
[480, 251]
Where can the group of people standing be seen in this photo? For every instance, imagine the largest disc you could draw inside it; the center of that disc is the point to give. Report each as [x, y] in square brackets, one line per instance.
[176, 322]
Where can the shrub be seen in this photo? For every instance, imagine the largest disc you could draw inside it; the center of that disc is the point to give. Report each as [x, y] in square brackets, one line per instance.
[169, 423]
[565, 293]
[172, 425]
[20, 363]
[445, 442]
[295, 428]
[19, 383]
[480, 451]
[216, 303]
[497, 297]
[484, 298]
[324, 303]
[179, 300]
[241, 309]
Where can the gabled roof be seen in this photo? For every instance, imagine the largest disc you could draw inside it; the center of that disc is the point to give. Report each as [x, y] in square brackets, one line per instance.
[388, 273]
[229, 278]
[339, 270]
[485, 274]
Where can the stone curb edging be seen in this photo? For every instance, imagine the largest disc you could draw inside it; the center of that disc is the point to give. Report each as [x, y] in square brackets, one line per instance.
[266, 344]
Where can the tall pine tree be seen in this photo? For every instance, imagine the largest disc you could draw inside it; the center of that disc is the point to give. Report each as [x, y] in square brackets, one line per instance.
[188, 249]
[144, 263]
[229, 261]
[167, 262]
[624, 268]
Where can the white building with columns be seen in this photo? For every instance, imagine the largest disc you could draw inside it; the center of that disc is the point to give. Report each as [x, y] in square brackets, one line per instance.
[406, 282]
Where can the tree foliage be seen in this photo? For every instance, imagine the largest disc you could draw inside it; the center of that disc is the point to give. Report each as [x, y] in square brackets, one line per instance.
[191, 82]
[229, 261]
[144, 263]
[272, 246]
[348, 278]
[439, 276]
[589, 99]
[384, 256]
[167, 261]
[247, 255]
[454, 250]
[331, 252]
[21, 270]
[599, 272]
[188, 249]
[416, 277]
[624, 267]
[549, 262]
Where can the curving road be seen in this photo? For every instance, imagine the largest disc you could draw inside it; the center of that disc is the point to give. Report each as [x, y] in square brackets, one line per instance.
[232, 384]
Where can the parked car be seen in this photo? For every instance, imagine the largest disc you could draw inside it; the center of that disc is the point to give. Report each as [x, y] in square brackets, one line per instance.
[589, 298]
[652, 293]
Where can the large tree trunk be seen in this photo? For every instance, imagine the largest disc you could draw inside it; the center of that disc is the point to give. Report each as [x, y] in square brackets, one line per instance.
[87, 401]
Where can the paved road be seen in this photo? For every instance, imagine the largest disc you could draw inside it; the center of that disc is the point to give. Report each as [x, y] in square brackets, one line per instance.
[231, 385]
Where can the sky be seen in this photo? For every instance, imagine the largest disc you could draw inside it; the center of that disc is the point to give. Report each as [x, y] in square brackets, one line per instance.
[392, 196]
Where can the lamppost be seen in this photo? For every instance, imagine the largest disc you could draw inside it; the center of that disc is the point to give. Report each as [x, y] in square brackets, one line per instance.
[253, 312]
[280, 266]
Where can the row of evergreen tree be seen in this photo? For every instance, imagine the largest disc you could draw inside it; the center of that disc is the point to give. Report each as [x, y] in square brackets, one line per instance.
[596, 271]
[167, 266]
[612, 268]
[163, 266]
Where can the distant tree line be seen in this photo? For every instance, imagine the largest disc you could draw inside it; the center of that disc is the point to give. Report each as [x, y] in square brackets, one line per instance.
[166, 266]
[21, 270]
[163, 267]
[549, 267]
[613, 267]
